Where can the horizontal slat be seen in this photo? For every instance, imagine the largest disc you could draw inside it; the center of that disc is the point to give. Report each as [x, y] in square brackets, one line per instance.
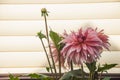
[32, 43]
[110, 57]
[114, 41]
[53, 1]
[30, 28]
[22, 59]
[22, 43]
[38, 59]
[61, 11]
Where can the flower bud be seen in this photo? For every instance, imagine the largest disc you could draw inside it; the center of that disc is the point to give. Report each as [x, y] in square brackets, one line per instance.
[44, 11]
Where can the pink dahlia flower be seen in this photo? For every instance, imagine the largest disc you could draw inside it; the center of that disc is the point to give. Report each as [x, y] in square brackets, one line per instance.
[84, 46]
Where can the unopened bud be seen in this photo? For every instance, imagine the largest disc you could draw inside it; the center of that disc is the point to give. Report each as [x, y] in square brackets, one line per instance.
[44, 11]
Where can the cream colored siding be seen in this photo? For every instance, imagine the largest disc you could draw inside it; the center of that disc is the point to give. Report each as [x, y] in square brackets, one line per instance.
[61, 11]
[31, 27]
[53, 1]
[33, 44]
[20, 20]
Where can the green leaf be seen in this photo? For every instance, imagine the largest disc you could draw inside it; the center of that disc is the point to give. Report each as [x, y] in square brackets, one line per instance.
[48, 69]
[105, 67]
[41, 35]
[34, 76]
[56, 39]
[91, 66]
[39, 76]
[106, 78]
[13, 77]
[72, 75]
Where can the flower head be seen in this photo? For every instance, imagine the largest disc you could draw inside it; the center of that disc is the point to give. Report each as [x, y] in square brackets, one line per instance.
[84, 46]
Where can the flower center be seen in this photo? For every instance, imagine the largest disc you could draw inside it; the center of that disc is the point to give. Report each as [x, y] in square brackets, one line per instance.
[83, 38]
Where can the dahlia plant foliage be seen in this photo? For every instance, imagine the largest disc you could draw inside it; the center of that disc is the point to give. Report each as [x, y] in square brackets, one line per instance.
[78, 48]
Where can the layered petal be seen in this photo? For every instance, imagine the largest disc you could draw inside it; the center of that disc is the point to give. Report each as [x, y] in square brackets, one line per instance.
[84, 46]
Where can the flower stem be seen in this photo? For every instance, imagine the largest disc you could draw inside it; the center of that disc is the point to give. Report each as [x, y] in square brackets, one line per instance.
[49, 46]
[92, 76]
[83, 76]
[47, 56]
[59, 63]
[71, 65]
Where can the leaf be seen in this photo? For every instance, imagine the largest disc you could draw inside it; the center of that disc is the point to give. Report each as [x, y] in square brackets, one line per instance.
[106, 78]
[105, 67]
[72, 75]
[48, 69]
[39, 76]
[13, 78]
[91, 66]
[41, 35]
[55, 38]
[34, 76]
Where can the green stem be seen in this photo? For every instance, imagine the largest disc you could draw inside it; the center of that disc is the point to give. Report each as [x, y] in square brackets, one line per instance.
[71, 65]
[47, 56]
[49, 46]
[83, 76]
[92, 76]
[59, 63]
